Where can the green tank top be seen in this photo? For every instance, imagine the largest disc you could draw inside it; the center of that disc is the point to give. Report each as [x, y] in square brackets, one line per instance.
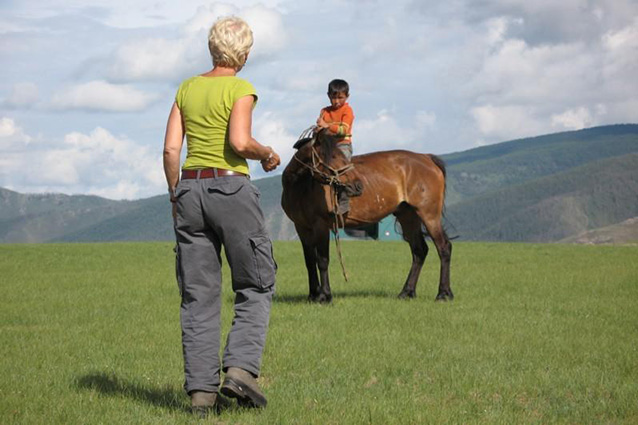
[206, 104]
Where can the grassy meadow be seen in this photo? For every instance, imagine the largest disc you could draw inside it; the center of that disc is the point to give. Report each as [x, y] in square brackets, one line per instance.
[537, 334]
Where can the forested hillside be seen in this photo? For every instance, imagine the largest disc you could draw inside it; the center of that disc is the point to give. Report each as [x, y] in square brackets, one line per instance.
[542, 189]
[553, 207]
[487, 168]
[46, 217]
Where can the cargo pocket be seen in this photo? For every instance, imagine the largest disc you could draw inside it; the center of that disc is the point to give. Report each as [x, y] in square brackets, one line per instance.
[228, 186]
[181, 191]
[178, 270]
[256, 191]
[264, 261]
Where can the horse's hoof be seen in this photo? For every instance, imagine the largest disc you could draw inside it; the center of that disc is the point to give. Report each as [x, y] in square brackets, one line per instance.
[444, 297]
[321, 299]
[407, 294]
[325, 298]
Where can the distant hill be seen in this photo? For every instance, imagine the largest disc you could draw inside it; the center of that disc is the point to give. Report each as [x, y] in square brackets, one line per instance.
[625, 232]
[77, 218]
[545, 188]
[554, 207]
[487, 168]
[148, 220]
[45, 217]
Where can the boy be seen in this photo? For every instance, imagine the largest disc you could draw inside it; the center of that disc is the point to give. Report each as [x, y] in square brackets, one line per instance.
[338, 117]
[337, 120]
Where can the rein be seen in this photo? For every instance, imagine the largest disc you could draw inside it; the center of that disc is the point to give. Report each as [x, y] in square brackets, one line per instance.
[335, 229]
[331, 179]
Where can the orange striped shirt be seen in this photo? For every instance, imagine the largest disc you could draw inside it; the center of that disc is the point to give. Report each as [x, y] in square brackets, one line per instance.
[339, 121]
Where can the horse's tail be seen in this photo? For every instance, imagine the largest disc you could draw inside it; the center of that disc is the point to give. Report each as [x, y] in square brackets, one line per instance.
[439, 163]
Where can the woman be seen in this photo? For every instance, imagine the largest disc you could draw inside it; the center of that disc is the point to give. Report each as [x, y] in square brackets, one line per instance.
[215, 204]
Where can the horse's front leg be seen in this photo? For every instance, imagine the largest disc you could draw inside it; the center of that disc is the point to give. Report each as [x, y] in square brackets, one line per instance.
[323, 261]
[310, 258]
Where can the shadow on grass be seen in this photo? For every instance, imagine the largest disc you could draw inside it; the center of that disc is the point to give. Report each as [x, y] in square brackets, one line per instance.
[110, 385]
[303, 298]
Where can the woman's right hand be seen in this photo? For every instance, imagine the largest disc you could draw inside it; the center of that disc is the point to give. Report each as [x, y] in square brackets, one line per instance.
[271, 163]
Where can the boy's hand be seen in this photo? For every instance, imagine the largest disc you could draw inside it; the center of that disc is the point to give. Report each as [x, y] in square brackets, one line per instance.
[321, 123]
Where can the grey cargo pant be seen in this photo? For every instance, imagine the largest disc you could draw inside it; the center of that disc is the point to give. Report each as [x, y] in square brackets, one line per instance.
[210, 213]
[344, 201]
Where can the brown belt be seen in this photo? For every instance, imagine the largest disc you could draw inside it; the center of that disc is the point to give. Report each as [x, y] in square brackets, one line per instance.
[210, 173]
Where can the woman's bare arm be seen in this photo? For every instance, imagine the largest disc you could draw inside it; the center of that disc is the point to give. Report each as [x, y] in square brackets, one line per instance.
[173, 141]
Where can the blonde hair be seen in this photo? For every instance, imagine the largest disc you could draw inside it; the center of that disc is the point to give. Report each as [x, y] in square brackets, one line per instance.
[229, 42]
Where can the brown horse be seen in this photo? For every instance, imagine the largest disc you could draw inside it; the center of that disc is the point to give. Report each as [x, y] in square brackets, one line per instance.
[409, 185]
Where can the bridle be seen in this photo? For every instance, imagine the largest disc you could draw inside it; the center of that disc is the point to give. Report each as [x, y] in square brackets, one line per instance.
[329, 177]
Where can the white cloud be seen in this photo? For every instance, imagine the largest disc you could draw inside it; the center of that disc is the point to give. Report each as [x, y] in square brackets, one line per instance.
[500, 123]
[96, 163]
[386, 131]
[620, 60]
[268, 30]
[122, 14]
[7, 26]
[171, 59]
[625, 38]
[425, 119]
[270, 130]
[497, 29]
[22, 95]
[152, 59]
[521, 89]
[551, 22]
[204, 17]
[467, 71]
[12, 137]
[518, 73]
[102, 96]
[7, 127]
[573, 119]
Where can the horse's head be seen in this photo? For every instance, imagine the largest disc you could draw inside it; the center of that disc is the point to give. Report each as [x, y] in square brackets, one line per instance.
[320, 148]
[319, 158]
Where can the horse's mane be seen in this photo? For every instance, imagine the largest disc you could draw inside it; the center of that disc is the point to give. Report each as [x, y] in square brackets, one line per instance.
[327, 143]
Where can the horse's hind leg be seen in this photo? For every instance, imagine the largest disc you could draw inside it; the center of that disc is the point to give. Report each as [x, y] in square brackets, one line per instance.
[444, 248]
[412, 234]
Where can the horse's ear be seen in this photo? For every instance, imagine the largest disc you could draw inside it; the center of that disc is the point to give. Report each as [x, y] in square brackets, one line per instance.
[301, 142]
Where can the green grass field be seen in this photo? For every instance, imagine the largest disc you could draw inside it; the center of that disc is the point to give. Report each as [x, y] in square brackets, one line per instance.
[537, 334]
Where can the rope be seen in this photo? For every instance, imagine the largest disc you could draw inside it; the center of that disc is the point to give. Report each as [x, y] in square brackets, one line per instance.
[335, 229]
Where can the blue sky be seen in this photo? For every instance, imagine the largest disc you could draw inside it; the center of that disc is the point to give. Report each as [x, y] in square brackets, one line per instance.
[86, 87]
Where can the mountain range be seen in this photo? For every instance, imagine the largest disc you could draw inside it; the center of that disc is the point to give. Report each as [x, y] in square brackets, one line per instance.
[577, 186]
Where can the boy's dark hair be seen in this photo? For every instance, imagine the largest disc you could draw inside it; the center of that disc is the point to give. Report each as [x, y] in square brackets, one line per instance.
[338, 86]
